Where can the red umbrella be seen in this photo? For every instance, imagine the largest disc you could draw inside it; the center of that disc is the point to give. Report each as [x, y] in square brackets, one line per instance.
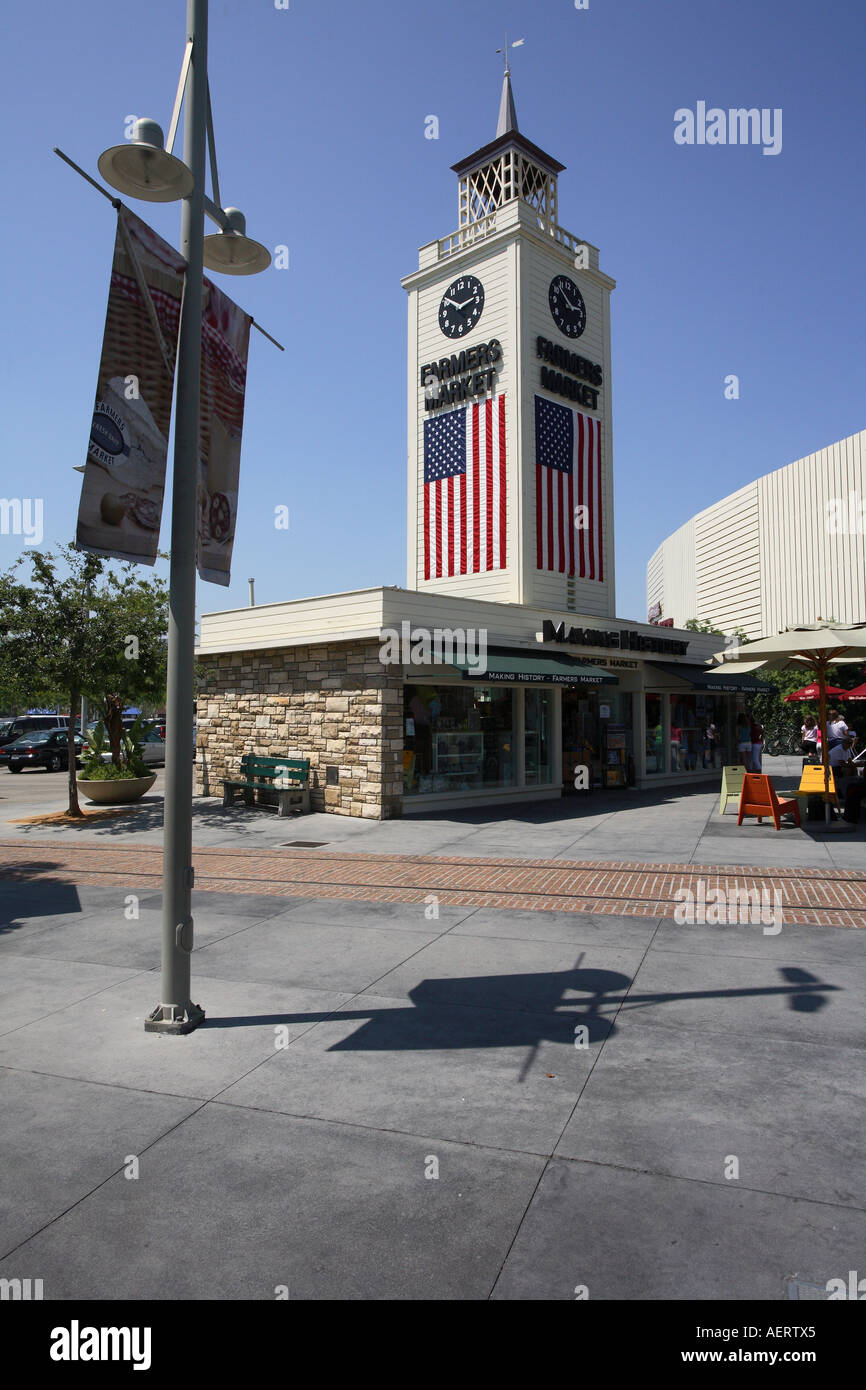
[858, 693]
[813, 691]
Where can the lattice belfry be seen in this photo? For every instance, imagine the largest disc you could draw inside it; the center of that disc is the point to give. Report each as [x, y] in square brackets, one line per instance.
[507, 176]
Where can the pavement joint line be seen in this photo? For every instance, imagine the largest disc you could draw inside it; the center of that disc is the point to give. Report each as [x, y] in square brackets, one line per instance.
[87, 1195]
[475, 1144]
[107, 1085]
[707, 1182]
[572, 1112]
[315, 1023]
[8, 1032]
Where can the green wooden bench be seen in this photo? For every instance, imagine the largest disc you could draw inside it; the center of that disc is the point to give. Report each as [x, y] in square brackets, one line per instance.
[732, 784]
[287, 778]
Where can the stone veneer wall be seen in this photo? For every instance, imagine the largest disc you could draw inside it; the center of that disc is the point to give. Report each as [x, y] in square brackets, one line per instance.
[335, 704]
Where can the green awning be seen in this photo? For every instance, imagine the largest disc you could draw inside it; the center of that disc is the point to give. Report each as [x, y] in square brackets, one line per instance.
[715, 679]
[547, 669]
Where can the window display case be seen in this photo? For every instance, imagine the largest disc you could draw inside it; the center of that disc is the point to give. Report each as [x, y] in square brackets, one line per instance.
[458, 760]
[458, 738]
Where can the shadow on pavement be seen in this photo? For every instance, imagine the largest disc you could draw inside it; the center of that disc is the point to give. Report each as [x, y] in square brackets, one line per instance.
[521, 1010]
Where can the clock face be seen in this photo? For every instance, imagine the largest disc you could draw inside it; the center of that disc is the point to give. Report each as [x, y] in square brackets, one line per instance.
[566, 306]
[461, 307]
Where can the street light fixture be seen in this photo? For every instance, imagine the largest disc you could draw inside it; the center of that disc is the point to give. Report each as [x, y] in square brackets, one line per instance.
[232, 251]
[144, 169]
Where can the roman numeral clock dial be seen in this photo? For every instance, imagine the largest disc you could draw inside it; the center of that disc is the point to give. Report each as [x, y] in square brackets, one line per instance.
[461, 307]
[566, 306]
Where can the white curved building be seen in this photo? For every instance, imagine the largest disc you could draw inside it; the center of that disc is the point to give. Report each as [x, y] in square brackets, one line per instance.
[788, 548]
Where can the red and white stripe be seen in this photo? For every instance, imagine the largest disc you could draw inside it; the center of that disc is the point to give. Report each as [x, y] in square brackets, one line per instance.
[560, 545]
[464, 516]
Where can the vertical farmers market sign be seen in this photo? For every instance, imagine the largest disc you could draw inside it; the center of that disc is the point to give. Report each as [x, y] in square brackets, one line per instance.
[120, 510]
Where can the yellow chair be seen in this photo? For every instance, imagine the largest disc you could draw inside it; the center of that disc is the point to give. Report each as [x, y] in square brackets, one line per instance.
[812, 784]
[732, 785]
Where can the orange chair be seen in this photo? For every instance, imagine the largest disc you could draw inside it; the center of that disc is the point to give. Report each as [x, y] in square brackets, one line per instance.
[758, 798]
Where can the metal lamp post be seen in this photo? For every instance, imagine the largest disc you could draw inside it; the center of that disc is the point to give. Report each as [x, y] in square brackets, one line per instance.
[146, 170]
[176, 1013]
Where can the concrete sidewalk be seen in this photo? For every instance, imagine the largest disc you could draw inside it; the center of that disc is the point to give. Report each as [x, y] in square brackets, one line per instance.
[680, 825]
[383, 1105]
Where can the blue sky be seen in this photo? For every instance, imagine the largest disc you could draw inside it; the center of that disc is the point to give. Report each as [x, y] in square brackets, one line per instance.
[726, 260]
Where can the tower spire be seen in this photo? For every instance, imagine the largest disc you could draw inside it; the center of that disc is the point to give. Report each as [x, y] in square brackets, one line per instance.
[507, 122]
[507, 115]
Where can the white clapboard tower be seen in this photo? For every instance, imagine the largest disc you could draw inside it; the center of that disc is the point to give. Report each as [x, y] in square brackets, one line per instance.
[508, 308]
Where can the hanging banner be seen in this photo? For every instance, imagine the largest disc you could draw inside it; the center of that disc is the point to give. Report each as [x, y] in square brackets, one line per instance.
[225, 345]
[120, 509]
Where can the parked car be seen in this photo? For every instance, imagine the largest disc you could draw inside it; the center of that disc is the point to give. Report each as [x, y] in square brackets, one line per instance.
[11, 730]
[48, 748]
[151, 747]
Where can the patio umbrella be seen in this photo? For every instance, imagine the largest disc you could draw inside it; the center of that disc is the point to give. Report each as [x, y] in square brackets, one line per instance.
[858, 693]
[813, 692]
[815, 646]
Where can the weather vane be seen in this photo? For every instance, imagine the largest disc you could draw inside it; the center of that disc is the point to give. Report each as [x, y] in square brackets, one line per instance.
[504, 51]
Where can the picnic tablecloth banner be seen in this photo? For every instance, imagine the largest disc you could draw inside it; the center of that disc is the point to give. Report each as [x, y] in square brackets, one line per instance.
[225, 346]
[120, 509]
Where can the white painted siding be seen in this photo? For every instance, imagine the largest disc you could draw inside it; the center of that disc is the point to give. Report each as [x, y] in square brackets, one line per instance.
[655, 580]
[681, 575]
[297, 622]
[493, 262]
[765, 557]
[540, 261]
[808, 571]
[364, 612]
[515, 265]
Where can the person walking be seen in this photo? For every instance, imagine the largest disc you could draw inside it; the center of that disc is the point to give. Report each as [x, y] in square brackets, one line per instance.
[711, 739]
[756, 738]
[809, 737]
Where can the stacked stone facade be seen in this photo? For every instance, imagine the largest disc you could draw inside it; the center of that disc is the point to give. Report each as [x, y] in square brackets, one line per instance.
[335, 704]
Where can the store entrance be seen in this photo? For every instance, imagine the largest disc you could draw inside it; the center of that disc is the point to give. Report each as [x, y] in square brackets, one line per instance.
[596, 734]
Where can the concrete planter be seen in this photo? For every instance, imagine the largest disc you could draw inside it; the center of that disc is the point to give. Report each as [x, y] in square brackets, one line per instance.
[116, 791]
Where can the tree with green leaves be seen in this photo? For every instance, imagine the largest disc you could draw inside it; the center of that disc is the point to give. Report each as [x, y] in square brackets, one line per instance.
[97, 631]
[707, 625]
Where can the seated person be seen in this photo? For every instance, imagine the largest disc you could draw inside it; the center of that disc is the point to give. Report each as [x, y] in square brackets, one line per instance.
[840, 754]
[850, 788]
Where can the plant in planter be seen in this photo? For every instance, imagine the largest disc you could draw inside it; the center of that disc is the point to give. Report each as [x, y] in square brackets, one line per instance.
[108, 782]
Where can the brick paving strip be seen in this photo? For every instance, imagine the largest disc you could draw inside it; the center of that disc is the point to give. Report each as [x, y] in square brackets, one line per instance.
[622, 888]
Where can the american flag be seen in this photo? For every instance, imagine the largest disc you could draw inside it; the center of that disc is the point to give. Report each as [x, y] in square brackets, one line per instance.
[567, 475]
[464, 490]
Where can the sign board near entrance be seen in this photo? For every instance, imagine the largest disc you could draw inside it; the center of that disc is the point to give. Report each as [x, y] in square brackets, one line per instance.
[610, 637]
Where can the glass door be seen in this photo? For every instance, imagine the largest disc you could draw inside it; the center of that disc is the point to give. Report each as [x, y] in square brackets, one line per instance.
[537, 724]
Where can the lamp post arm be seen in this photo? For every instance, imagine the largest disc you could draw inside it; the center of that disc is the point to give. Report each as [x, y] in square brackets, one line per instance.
[178, 100]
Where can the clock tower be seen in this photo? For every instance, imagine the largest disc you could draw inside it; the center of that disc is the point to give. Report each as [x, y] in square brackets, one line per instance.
[510, 493]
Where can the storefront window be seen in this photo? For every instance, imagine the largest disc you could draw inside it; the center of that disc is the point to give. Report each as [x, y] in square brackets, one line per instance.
[698, 723]
[581, 735]
[457, 738]
[537, 727]
[655, 753]
[615, 720]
